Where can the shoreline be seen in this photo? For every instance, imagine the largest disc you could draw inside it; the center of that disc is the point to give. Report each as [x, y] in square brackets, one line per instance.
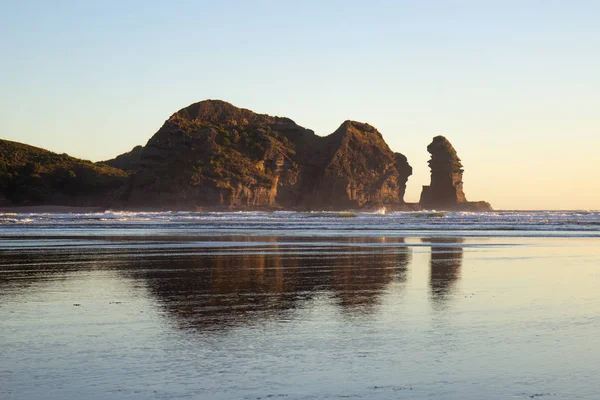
[58, 209]
[51, 210]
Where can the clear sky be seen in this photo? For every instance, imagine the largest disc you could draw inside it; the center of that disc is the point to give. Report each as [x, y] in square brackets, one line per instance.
[514, 85]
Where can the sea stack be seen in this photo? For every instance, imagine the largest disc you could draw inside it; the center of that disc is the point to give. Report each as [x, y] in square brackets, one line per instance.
[446, 188]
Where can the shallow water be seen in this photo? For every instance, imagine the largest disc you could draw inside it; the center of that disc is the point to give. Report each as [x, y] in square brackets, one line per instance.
[262, 305]
[463, 224]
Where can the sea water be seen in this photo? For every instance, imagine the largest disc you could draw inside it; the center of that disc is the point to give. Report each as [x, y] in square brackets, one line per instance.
[414, 305]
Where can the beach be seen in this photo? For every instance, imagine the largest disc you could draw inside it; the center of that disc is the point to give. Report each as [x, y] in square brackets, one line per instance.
[299, 305]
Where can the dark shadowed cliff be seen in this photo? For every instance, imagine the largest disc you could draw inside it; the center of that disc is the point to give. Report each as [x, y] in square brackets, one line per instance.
[214, 154]
[33, 176]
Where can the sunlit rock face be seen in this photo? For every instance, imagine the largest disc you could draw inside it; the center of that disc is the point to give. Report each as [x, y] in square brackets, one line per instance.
[357, 169]
[213, 154]
[446, 188]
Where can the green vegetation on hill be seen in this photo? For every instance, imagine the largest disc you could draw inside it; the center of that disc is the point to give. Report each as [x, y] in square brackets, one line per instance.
[33, 176]
[215, 154]
[212, 153]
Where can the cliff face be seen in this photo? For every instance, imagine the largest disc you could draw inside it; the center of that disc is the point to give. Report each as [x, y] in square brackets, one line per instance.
[446, 188]
[214, 154]
[358, 169]
[32, 176]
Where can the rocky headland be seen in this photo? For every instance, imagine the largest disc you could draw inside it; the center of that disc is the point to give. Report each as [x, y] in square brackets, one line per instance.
[212, 155]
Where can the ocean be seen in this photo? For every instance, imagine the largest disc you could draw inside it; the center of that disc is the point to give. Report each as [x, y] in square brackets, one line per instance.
[323, 305]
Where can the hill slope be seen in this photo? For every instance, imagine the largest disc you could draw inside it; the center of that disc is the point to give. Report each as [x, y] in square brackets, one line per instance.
[127, 161]
[33, 176]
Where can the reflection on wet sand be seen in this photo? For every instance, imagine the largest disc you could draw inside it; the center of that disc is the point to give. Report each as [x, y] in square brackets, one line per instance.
[445, 264]
[228, 290]
[229, 282]
[32, 271]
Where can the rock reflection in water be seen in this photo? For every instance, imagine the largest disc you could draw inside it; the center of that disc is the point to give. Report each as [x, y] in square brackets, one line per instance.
[224, 290]
[445, 264]
[21, 272]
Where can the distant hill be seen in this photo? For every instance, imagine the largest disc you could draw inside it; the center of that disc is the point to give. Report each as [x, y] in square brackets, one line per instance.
[33, 176]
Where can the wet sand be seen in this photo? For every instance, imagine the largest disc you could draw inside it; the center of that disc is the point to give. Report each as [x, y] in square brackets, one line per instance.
[300, 318]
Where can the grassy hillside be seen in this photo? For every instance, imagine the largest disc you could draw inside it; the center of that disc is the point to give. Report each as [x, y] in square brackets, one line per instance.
[32, 176]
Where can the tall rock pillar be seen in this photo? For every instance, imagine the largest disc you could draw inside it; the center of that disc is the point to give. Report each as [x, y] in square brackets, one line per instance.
[446, 188]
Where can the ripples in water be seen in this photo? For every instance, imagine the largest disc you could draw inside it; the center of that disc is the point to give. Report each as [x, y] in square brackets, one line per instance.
[179, 309]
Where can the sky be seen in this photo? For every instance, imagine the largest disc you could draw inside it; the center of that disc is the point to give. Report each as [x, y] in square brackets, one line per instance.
[514, 85]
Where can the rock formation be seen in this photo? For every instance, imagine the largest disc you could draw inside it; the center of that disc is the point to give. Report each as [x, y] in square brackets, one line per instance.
[356, 169]
[446, 175]
[214, 154]
[446, 188]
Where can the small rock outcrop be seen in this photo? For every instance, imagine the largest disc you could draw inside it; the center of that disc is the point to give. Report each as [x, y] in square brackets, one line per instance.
[446, 188]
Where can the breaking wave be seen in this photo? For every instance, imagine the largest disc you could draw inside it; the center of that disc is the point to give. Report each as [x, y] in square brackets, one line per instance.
[581, 223]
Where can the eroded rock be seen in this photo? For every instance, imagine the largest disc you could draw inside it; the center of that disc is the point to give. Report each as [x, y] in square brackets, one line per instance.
[446, 188]
[213, 154]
